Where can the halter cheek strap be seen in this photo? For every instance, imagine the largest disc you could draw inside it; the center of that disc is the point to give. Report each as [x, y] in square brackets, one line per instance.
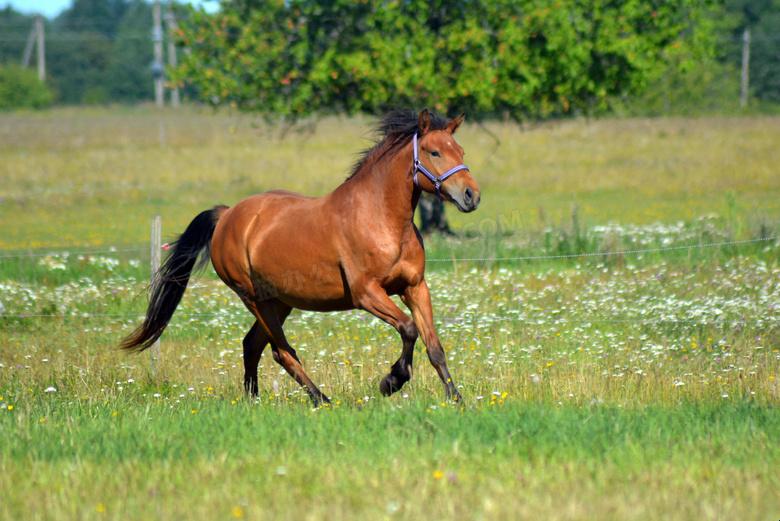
[419, 167]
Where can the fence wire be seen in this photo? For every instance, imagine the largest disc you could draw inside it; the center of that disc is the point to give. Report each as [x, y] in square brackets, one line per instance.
[449, 320]
[606, 253]
[141, 248]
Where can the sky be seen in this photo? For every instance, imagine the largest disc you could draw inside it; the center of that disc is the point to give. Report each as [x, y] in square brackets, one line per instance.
[51, 8]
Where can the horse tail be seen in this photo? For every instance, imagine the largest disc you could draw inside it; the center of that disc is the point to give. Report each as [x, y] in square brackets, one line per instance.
[190, 252]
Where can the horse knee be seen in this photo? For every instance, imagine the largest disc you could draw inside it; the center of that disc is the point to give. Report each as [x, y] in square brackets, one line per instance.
[436, 355]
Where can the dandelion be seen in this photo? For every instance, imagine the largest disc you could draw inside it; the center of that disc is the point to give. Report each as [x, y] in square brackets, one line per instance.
[438, 474]
[100, 508]
[9, 407]
[237, 512]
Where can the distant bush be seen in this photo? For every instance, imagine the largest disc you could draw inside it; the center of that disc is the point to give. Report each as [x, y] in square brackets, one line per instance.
[21, 88]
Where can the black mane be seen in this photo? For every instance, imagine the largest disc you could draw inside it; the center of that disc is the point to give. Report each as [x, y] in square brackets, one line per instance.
[394, 129]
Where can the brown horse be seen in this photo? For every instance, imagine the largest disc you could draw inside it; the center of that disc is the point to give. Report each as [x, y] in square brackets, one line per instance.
[352, 248]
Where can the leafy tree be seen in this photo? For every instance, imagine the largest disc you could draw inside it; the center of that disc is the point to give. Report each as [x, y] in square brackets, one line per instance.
[129, 75]
[765, 58]
[518, 58]
[14, 29]
[762, 17]
[21, 88]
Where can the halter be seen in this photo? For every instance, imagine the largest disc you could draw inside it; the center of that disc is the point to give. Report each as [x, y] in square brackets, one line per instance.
[419, 167]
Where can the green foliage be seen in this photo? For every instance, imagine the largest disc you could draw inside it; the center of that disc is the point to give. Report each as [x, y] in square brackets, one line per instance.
[20, 88]
[516, 58]
[692, 80]
[100, 51]
[762, 18]
[765, 58]
[14, 29]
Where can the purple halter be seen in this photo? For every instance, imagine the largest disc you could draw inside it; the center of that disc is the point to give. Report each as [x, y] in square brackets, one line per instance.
[419, 167]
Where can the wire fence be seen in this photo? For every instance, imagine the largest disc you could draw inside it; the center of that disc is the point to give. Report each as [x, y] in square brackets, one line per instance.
[637, 251]
[60, 253]
[607, 253]
[446, 319]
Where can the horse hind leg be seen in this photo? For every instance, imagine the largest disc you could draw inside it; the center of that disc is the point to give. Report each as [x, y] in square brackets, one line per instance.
[271, 319]
[254, 343]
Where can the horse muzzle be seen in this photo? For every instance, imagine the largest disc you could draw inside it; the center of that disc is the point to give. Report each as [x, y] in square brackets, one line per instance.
[466, 198]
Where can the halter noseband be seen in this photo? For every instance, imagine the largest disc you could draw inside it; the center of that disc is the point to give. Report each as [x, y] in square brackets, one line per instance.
[419, 167]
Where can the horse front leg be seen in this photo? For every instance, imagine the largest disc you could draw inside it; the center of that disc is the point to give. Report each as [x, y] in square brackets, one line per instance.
[374, 299]
[418, 298]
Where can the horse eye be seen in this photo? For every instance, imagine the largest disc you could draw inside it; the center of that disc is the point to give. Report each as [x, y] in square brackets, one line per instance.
[435, 154]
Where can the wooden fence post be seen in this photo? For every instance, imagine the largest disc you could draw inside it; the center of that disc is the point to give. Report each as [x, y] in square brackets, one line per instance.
[155, 248]
[745, 79]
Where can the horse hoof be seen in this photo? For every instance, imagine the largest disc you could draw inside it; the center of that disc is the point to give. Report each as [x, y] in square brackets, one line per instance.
[318, 399]
[385, 387]
[390, 384]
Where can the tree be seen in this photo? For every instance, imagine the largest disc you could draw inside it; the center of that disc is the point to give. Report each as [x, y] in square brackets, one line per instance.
[762, 18]
[524, 59]
[14, 27]
[21, 88]
[129, 74]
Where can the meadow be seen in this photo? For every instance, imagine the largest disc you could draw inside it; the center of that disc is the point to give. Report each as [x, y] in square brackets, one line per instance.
[611, 314]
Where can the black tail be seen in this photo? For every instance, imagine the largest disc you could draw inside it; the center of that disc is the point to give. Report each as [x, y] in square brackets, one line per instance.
[171, 280]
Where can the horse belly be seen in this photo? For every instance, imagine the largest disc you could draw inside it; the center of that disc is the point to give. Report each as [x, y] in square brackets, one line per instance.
[295, 262]
[315, 287]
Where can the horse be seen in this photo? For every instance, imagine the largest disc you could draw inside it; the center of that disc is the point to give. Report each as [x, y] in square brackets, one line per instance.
[350, 249]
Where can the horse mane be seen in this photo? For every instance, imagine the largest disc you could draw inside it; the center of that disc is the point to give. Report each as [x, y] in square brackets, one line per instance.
[394, 129]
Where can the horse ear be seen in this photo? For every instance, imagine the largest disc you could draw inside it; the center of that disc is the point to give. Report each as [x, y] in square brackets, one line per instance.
[455, 122]
[424, 121]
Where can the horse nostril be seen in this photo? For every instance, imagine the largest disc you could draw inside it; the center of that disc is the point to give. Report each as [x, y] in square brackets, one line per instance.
[468, 195]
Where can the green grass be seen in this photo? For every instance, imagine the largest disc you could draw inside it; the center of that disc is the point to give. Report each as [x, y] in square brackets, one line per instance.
[95, 177]
[630, 386]
[498, 462]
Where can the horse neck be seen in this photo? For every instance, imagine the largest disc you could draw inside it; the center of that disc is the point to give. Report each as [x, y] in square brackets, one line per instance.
[389, 187]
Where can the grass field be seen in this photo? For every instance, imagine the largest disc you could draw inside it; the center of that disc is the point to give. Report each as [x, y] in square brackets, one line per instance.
[629, 386]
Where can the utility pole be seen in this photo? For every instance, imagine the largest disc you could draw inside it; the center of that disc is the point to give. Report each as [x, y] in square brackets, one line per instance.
[745, 83]
[157, 67]
[38, 40]
[170, 19]
[41, 48]
[29, 46]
